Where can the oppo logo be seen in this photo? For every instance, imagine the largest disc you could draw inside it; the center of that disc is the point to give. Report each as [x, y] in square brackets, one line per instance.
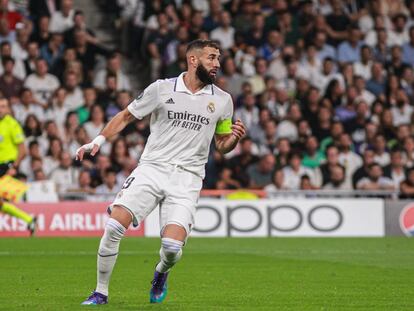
[321, 218]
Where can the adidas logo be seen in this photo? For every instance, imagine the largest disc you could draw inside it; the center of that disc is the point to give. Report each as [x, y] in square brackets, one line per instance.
[170, 101]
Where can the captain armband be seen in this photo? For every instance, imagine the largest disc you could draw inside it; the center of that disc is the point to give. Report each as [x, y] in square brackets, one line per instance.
[224, 127]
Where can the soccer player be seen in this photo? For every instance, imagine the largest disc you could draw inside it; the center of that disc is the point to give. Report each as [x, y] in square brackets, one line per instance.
[12, 151]
[186, 112]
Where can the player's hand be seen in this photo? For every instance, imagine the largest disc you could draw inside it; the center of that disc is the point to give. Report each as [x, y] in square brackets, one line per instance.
[92, 147]
[238, 129]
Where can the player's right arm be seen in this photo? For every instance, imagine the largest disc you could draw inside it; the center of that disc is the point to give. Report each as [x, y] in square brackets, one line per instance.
[140, 107]
[113, 127]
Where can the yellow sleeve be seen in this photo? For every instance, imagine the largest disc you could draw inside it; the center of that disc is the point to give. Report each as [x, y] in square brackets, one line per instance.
[17, 133]
[223, 126]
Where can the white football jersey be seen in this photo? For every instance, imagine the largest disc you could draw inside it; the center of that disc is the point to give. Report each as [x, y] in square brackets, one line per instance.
[182, 124]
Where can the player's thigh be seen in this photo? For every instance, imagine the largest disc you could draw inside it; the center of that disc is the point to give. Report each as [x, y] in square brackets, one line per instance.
[140, 194]
[177, 211]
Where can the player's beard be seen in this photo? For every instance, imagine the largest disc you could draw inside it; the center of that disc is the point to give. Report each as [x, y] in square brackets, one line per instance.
[203, 75]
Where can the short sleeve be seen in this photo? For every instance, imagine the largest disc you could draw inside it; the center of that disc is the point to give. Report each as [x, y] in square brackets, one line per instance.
[225, 121]
[146, 102]
[17, 133]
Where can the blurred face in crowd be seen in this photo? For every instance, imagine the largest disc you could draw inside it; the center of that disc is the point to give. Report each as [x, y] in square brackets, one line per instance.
[246, 146]
[274, 38]
[44, 24]
[337, 175]
[89, 94]
[270, 129]
[295, 162]
[304, 129]
[97, 114]
[84, 179]
[267, 163]
[278, 178]
[371, 130]
[103, 162]
[366, 54]
[294, 112]
[403, 132]
[33, 50]
[332, 155]
[320, 40]
[337, 129]
[110, 179]
[368, 157]
[229, 67]
[311, 145]
[52, 129]
[8, 67]
[375, 172]
[379, 143]
[66, 7]
[409, 144]
[261, 66]
[71, 81]
[4, 108]
[123, 99]
[283, 146]
[345, 142]
[397, 159]
[41, 67]
[225, 19]
[26, 97]
[249, 101]
[65, 160]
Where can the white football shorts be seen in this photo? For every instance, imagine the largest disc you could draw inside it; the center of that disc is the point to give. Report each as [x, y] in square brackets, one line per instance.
[175, 189]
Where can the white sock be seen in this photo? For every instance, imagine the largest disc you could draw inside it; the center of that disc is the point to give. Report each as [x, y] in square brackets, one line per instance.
[170, 253]
[108, 253]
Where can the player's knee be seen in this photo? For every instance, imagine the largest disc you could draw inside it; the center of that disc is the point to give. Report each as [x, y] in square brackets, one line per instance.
[171, 250]
[113, 234]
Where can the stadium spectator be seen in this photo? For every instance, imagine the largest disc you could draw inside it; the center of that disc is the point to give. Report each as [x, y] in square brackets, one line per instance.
[42, 34]
[114, 67]
[224, 34]
[336, 179]
[33, 53]
[381, 155]
[62, 20]
[312, 157]
[97, 121]
[407, 185]
[348, 158]
[10, 85]
[42, 83]
[65, 175]
[277, 184]
[294, 172]
[53, 51]
[227, 181]
[375, 180]
[260, 173]
[109, 186]
[395, 170]
[74, 96]
[26, 106]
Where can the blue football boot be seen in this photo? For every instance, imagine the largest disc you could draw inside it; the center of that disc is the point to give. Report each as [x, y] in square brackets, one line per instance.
[159, 287]
[95, 299]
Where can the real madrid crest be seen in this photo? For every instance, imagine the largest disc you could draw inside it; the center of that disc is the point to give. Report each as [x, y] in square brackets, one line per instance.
[210, 107]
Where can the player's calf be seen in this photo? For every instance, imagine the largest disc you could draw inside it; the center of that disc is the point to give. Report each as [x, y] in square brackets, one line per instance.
[170, 254]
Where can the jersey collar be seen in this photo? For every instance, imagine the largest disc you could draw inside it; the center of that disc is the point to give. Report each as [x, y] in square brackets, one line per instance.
[179, 86]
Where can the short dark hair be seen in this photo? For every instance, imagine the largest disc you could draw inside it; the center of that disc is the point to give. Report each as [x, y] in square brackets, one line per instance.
[201, 44]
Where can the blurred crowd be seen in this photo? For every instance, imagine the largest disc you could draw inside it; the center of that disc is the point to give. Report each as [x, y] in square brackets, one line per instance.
[325, 88]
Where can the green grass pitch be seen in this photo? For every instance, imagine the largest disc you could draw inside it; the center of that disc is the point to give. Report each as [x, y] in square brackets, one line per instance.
[214, 274]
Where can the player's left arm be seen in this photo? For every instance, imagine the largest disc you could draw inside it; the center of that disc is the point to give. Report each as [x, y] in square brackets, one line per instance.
[226, 142]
